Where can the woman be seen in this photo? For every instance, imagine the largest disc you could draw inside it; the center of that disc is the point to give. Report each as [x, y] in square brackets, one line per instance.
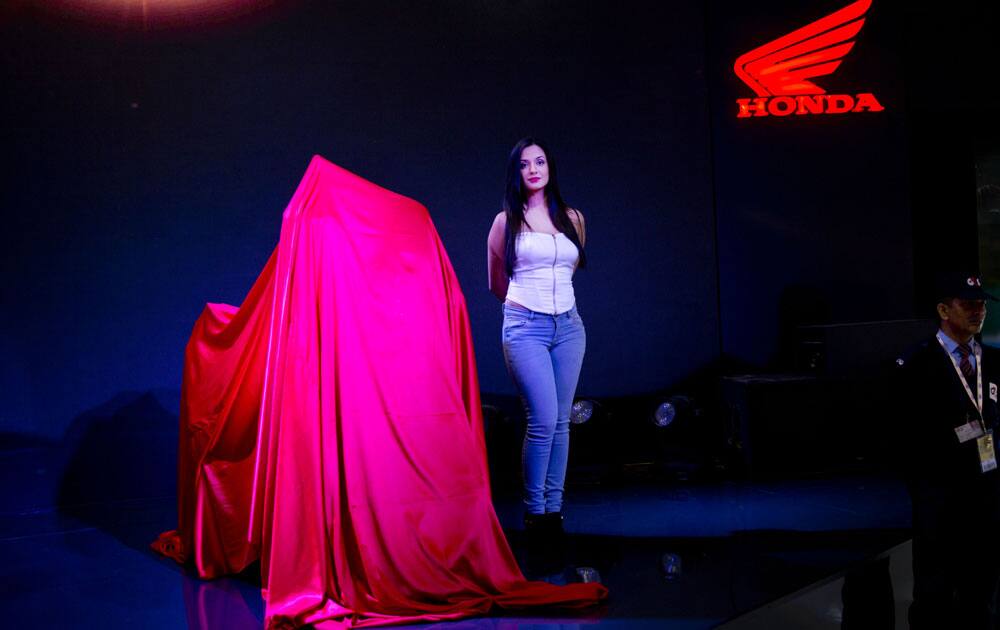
[534, 247]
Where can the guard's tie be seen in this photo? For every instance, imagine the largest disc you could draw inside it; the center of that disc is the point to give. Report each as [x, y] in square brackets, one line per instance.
[968, 371]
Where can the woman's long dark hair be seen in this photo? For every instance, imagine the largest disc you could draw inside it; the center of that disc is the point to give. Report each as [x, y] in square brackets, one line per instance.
[514, 199]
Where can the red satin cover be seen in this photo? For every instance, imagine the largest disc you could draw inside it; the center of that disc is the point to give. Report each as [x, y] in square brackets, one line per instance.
[331, 427]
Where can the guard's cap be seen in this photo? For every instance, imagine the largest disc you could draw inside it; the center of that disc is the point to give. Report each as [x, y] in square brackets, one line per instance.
[961, 285]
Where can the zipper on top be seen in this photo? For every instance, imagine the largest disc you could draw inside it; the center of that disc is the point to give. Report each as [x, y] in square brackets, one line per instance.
[555, 257]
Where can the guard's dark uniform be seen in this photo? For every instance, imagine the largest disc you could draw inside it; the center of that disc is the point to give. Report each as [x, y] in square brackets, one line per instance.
[956, 506]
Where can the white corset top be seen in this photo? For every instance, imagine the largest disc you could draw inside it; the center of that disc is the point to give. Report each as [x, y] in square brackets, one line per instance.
[543, 272]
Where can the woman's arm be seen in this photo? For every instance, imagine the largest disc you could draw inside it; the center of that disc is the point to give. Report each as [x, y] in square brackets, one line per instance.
[581, 228]
[495, 259]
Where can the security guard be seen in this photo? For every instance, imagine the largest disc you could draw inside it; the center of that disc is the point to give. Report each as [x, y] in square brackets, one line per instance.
[947, 391]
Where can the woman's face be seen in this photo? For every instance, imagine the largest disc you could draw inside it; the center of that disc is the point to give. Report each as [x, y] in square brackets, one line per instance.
[534, 168]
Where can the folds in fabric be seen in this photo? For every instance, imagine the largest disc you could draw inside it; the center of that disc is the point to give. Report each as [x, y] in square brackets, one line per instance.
[331, 426]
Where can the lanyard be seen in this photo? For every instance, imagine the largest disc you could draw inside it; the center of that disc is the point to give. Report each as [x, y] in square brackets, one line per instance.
[976, 399]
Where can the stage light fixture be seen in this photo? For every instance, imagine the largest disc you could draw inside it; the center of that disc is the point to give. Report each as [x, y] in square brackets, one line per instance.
[587, 575]
[664, 414]
[582, 411]
[670, 564]
[673, 408]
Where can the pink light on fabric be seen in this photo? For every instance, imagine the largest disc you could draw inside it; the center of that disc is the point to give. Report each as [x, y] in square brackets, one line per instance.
[331, 427]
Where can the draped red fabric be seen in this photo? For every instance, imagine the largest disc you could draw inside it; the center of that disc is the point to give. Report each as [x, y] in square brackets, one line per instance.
[331, 427]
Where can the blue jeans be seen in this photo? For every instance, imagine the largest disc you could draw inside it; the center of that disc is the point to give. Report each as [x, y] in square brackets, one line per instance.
[544, 354]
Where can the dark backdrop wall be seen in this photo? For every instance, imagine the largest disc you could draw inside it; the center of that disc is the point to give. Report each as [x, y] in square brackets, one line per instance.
[146, 169]
[953, 112]
[813, 210]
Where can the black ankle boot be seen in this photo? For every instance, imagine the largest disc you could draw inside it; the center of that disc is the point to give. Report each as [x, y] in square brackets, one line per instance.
[555, 537]
[544, 553]
[535, 531]
[546, 526]
[531, 521]
[553, 524]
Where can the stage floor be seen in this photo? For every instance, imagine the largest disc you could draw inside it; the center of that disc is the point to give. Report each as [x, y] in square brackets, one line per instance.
[744, 547]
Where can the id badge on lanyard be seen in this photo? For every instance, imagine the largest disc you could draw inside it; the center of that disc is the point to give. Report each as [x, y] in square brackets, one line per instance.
[984, 437]
[987, 454]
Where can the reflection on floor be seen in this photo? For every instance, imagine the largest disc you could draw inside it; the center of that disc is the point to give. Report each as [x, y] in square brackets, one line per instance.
[741, 546]
[874, 594]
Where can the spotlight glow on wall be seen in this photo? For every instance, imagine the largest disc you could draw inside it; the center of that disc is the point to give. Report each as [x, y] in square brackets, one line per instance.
[155, 14]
